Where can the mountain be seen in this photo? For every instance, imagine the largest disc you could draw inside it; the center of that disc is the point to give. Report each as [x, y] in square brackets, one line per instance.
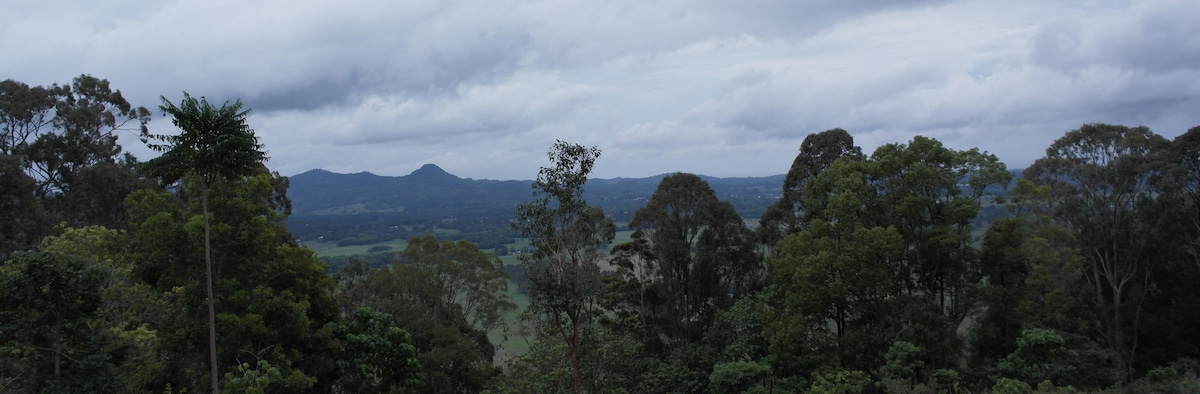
[327, 204]
[434, 193]
[426, 192]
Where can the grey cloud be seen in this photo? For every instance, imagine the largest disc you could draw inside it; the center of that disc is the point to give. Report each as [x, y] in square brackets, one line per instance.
[1161, 39]
[483, 88]
[1056, 45]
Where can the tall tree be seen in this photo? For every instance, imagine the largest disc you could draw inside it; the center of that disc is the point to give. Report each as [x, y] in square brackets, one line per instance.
[817, 152]
[1185, 157]
[698, 245]
[887, 246]
[65, 139]
[566, 235]
[839, 292]
[1103, 186]
[86, 118]
[931, 194]
[213, 143]
[24, 113]
[1169, 331]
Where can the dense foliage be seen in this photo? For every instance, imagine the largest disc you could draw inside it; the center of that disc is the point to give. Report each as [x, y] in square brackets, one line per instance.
[916, 268]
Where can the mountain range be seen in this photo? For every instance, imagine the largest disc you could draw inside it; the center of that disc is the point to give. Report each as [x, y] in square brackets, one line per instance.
[433, 193]
[342, 203]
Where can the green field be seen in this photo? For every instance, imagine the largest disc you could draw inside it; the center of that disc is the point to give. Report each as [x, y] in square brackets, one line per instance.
[514, 341]
[330, 249]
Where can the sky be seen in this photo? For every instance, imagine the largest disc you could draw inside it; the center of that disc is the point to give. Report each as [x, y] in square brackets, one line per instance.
[721, 88]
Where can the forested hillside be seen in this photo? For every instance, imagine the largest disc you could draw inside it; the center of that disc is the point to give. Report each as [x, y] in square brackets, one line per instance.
[912, 268]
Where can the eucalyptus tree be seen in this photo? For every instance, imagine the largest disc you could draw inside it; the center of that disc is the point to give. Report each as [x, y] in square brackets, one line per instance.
[213, 143]
[1185, 156]
[817, 152]
[64, 138]
[566, 235]
[1104, 186]
[700, 250]
[886, 253]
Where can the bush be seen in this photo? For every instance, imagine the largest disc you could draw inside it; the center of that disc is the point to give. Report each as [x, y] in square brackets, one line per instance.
[1180, 376]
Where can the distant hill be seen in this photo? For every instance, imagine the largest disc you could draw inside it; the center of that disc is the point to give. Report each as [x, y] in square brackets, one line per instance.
[327, 204]
[428, 192]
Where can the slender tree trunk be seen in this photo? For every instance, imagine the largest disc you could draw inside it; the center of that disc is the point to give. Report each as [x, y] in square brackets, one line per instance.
[212, 316]
[58, 351]
[575, 372]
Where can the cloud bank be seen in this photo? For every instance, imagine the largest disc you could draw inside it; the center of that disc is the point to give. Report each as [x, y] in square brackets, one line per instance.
[727, 89]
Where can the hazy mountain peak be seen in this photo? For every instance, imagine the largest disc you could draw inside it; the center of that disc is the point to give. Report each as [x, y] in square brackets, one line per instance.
[431, 172]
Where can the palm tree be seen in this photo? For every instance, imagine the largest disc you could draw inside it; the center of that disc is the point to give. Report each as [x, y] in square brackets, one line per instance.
[213, 142]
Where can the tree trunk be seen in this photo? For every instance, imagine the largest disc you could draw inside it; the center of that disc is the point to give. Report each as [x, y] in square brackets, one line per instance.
[58, 349]
[212, 316]
[576, 374]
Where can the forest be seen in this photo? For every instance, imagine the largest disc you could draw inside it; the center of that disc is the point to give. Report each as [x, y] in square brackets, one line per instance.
[914, 268]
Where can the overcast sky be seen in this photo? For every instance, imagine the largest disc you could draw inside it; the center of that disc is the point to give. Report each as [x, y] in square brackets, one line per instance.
[730, 88]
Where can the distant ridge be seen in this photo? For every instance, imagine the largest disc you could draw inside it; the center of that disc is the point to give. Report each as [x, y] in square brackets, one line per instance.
[432, 193]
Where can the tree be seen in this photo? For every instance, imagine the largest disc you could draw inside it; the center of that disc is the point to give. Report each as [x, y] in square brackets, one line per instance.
[24, 111]
[376, 355]
[1032, 268]
[566, 236]
[837, 277]
[886, 254]
[1184, 156]
[473, 280]
[122, 329]
[817, 152]
[1168, 332]
[274, 297]
[47, 302]
[86, 118]
[25, 219]
[64, 138]
[1102, 182]
[699, 247]
[213, 143]
[447, 295]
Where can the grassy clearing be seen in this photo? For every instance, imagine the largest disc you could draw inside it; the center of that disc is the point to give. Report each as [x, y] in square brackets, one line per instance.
[330, 249]
[622, 237]
[515, 344]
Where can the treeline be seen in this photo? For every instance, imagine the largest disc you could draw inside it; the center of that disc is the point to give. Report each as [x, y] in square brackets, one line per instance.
[869, 275]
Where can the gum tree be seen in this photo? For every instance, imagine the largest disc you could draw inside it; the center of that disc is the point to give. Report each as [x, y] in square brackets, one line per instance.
[566, 235]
